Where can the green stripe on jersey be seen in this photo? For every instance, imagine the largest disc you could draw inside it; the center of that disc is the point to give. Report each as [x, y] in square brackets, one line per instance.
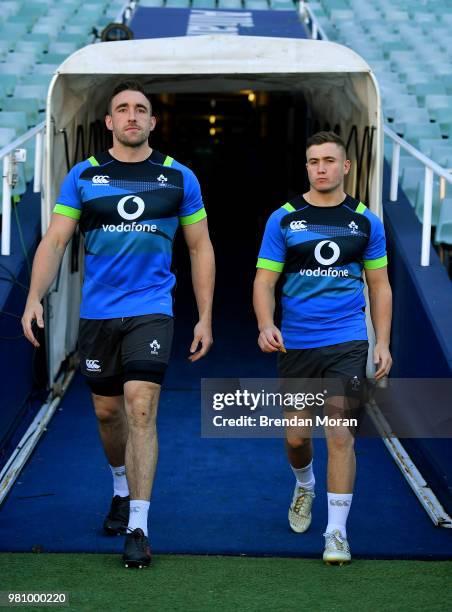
[288, 207]
[199, 215]
[67, 211]
[360, 208]
[168, 161]
[374, 264]
[269, 264]
[93, 161]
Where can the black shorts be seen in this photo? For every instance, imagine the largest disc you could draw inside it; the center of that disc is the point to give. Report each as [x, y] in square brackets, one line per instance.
[114, 351]
[342, 365]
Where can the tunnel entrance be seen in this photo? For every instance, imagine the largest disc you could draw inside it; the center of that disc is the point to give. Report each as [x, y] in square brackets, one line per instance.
[250, 165]
[248, 151]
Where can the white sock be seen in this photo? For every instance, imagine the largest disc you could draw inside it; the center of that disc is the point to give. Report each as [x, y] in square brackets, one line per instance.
[138, 517]
[305, 476]
[120, 486]
[338, 509]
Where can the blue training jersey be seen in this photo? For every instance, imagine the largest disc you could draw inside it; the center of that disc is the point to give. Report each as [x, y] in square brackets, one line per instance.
[321, 252]
[128, 214]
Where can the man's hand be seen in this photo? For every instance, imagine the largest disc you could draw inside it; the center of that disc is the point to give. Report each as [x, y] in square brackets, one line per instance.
[271, 340]
[33, 312]
[202, 334]
[382, 360]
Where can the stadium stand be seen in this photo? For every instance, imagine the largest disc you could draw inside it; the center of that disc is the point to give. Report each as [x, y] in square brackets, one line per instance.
[416, 87]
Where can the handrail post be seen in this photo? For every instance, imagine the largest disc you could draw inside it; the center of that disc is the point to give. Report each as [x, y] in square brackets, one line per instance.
[427, 217]
[395, 171]
[6, 212]
[314, 31]
[37, 179]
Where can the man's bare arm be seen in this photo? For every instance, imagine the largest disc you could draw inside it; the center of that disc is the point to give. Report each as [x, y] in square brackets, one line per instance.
[45, 267]
[380, 297]
[203, 279]
[270, 338]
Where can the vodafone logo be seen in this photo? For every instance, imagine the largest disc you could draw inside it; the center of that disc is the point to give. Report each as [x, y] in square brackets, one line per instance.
[101, 179]
[131, 216]
[327, 246]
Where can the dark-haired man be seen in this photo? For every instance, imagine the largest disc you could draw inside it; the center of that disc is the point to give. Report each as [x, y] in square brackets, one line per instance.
[129, 202]
[321, 241]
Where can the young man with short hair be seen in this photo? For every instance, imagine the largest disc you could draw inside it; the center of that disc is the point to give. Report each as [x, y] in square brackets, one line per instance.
[321, 242]
[128, 202]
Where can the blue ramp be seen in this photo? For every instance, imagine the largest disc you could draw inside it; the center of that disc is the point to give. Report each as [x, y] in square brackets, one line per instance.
[214, 496]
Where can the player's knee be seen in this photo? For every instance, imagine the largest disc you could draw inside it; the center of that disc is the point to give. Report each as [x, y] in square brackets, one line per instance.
[141, 405]
[295, 442]
[107, 409]
[340, 441]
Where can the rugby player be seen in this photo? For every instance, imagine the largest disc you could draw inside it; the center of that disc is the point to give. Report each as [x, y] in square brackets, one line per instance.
[128, 203]
[321, 241]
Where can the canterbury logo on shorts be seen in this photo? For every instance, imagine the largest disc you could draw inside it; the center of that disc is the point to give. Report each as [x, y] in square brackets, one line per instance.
[93, 365]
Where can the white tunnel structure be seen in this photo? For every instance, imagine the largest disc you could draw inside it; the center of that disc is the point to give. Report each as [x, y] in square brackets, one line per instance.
[335, 82]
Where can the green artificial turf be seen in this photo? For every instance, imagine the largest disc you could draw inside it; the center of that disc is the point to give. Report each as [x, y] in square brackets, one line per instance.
[216, 584]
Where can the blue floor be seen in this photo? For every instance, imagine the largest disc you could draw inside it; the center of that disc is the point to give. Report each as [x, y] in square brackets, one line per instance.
[214, 496]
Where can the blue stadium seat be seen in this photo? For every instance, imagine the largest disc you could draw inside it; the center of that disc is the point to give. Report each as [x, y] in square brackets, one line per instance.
[436, 203]
[153, 3]
[17, 120]
[29, 106]
[39, 92]
[230, 5]
[7, 135]
[444, 229]
[411, 179]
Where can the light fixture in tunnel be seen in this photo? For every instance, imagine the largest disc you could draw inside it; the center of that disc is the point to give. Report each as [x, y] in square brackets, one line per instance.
[212, 131]
[251, 96]
[212, 119]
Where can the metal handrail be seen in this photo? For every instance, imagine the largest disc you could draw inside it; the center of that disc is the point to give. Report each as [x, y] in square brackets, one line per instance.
[6, 154]
[431, 168]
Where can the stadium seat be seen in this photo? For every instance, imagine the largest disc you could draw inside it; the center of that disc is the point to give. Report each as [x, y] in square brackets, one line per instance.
[424, 89]
[29, 106]
[436, 202]
[36, 79]
[153, 3]
[282, 5]
[48, 69]
[8, 82]
[441, 155]
[204, 4]
[257, 5]
[61, 47]
[444, 228]
[32, 46]
[411, 114]
[178, 4]
[13, 30]
[230, 5]
[53, 58]
[416, 131]
[7, 135]
[433, 101]
[427, 145]
[423, 17]
[440, 115]
[36, 37]
[17, 120]
[39, 92]
[410, 181]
